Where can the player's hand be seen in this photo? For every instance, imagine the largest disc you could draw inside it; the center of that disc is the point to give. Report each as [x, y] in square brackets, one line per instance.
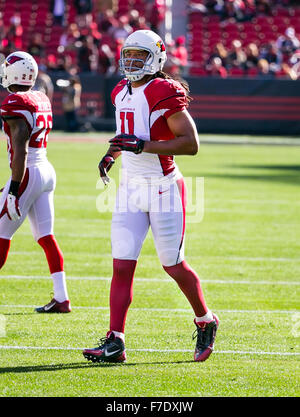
[128, 143]
[104, 166]
[12, 206]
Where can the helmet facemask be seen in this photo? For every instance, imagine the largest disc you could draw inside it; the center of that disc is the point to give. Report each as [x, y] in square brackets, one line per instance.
[136, 68]
[2, 68]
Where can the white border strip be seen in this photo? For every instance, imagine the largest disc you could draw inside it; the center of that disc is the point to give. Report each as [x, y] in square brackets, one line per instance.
[166, 310]
[227, 352]
[210, 281]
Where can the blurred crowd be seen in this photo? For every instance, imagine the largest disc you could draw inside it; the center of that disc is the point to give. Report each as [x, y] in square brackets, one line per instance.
[92, 41]
[281, 57]
[240, 10]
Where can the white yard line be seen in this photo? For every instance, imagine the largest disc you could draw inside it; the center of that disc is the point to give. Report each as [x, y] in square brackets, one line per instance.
[73, 235]
[228, 352]
[167, 310]
[211, 200]
[210, 281]
[227, 258]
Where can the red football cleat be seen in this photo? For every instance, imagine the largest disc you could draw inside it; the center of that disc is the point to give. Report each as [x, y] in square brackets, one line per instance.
[55, 307]
[206, 334]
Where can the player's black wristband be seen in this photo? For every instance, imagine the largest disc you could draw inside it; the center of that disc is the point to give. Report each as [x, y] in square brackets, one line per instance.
[14, 188]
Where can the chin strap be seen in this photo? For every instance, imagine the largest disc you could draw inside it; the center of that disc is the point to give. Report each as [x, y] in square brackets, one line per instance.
[129, 86]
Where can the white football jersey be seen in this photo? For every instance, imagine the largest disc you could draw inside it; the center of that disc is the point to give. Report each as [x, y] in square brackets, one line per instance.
[144, 113]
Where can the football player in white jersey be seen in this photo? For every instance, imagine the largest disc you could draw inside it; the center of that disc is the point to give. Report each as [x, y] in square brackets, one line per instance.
[27, 120]
[153, 125]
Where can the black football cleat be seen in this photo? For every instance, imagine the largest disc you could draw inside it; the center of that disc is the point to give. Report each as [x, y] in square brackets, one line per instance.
[205, 334]
[110, 349]
[55, 307]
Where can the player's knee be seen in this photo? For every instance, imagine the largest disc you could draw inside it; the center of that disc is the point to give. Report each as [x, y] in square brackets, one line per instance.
[170, 258]
[176, 271]
[47, 241]
[53, 253]
[124, 267]
[125, 248]
[171, 270]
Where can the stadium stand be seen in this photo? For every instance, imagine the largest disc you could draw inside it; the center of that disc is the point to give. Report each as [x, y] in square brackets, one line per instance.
[67, 40]
[92, 41]
[210, 25]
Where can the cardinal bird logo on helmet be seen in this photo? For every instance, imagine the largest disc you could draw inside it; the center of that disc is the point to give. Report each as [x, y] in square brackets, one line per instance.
[161, 45]
[12, 59]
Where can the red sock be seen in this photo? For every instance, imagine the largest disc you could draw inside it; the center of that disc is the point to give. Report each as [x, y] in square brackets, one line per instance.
[189, 283]
[53, 253]
[121, 292]
[4, 249]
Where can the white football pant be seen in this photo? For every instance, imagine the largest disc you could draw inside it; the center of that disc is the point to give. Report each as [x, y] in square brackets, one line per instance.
[160, 206]
[36, 202]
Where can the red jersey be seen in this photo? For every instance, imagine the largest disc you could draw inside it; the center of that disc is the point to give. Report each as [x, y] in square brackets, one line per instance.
[34, 108]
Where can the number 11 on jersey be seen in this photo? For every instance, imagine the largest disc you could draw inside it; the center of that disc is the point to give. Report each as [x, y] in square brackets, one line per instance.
[127, 122]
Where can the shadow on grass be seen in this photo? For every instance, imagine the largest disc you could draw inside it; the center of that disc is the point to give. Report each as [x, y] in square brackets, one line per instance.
[272, 167]
[78, 365]
[286, 173]
[292, 178]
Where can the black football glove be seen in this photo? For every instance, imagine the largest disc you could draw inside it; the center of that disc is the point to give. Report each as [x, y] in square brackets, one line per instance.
[128, 143]
[104, 166]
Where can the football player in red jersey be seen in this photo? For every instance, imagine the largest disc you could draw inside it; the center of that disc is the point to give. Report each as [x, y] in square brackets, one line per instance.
[27, 121]
[153, 125]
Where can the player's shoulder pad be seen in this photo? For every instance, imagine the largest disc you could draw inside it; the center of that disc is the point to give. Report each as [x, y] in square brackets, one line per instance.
[14, 100]
[119, 87]
[161, 89]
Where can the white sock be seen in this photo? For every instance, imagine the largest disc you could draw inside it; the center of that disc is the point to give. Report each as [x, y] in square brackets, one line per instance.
[60, 286]
[207, 318]
[119, 335]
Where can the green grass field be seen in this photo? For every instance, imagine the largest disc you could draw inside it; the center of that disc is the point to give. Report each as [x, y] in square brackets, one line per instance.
[246, 251]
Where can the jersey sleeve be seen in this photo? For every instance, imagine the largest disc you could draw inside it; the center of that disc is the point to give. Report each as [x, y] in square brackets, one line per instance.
[172, 105]
[14, 106]
[166, 96]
